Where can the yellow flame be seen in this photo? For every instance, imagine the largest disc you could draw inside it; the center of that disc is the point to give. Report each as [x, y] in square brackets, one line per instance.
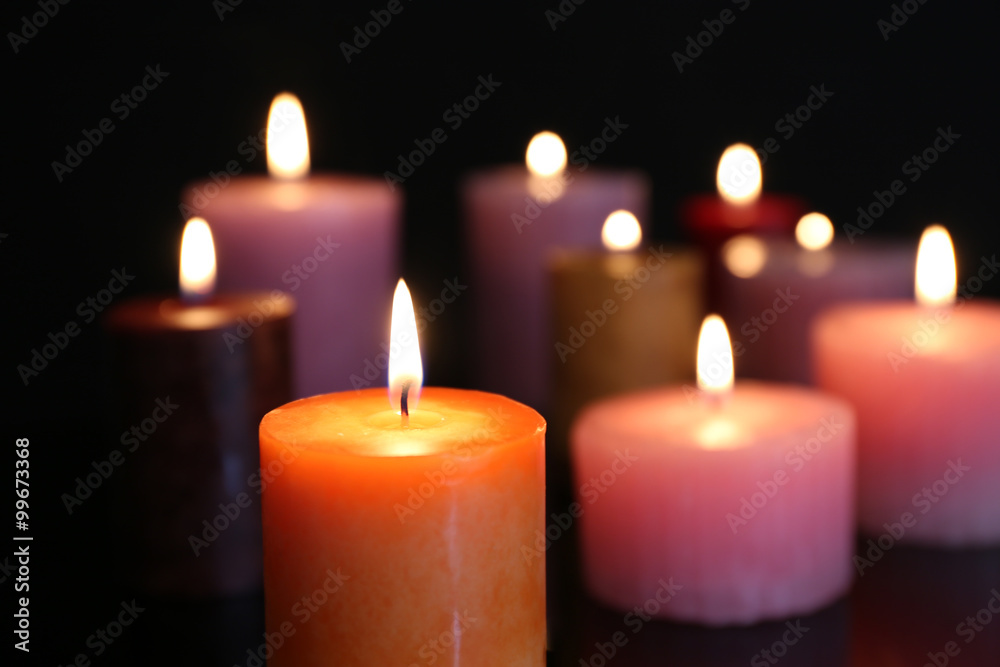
[404, 350]
[287, 139]
[936, 273]
[739, 178]
[197, 274]
[621, 231]
[715, 357]
[744, 255]
[546, 154]
[814, 231]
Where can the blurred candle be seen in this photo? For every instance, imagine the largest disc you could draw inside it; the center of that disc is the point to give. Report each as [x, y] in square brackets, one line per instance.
[406, 522]
[740, 207]
[331, 240]
[924, 378]
[736, 503]
[515, 217]
[623, 318]
[194, 376]
[771, 289]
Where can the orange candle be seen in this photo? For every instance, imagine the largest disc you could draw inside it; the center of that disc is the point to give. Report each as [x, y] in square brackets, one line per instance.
[395, 538]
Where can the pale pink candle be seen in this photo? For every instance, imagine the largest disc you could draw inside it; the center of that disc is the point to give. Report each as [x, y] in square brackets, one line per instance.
[741, 497]
[331, 241]
[924, 379]
[515, 218]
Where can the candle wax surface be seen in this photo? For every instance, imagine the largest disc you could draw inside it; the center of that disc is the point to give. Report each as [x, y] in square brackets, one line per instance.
[747, 502]
[925, 383]
[423, 528]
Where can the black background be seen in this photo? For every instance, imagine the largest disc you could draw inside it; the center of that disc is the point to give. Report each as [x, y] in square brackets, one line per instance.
[119, 207]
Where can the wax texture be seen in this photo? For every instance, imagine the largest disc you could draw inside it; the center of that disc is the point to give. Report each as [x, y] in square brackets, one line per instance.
[409, 543]
[925, 383]
[736, 512]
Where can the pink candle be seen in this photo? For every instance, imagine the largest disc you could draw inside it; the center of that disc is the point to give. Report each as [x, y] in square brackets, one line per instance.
[515, 218]
[924, 379]
[329, 240]
[772, 289]
[739, 500]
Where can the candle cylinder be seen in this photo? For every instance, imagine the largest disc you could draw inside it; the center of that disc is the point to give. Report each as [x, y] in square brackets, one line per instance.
[771, 290]
[194, 382]
[716, 510]
[408, 543]
[924, 382]
[515, 220]
[620, 321]
[331, 241]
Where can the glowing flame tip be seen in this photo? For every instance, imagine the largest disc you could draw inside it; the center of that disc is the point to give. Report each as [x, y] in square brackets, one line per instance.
[197, 271]
[715, 357]
[936, 278]
[287, 139]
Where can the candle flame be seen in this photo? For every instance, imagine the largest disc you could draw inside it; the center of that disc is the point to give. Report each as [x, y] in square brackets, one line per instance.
[406, 372]
[546, 154]
[814, 231]
[287, 139]
[936, 273]
[744, 255]
[739, 178]
[715, 357]
[621, 231]
[197, 274]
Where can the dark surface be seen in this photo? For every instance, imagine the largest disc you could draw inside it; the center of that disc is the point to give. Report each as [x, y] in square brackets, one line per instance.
[119, 208]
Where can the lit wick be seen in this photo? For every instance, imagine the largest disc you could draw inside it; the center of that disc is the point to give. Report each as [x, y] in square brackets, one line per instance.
[404, 408]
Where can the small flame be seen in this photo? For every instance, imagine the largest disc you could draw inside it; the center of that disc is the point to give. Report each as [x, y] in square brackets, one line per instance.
[715, 357]
[814, 231]
[546, 154]
[406, 372]
[936, 273]
[287, 139]
[744, 255]
[739, 177]
[197, 275]
[621, 231]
